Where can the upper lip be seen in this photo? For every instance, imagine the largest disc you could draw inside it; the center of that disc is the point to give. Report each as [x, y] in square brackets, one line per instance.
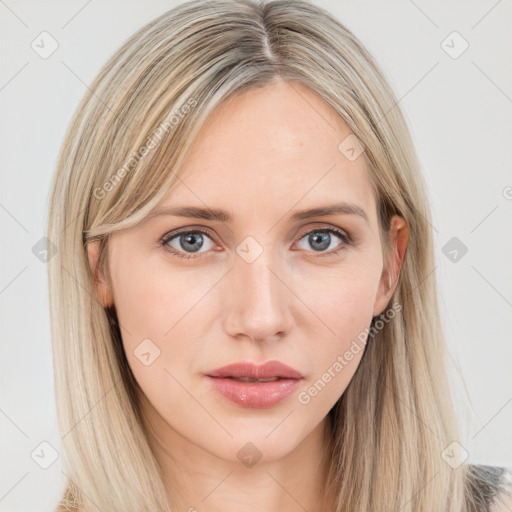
[265, 371]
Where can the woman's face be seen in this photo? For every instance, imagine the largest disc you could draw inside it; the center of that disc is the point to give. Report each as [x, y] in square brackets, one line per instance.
[263, 284]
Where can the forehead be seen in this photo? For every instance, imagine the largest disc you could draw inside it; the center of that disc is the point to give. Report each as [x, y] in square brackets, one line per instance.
[269, 149]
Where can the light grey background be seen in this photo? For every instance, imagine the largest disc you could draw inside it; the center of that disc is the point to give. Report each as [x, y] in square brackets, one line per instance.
[459, 111]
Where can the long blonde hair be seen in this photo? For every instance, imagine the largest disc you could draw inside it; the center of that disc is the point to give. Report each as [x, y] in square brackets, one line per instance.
[126, 142]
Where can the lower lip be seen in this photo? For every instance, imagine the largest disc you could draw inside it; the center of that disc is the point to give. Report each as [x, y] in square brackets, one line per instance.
[256, 395]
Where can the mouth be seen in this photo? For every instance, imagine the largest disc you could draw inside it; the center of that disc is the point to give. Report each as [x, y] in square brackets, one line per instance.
[249, 384]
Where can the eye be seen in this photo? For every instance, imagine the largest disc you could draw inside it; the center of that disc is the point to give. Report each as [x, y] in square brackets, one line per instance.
[321, 239]
[191, 240]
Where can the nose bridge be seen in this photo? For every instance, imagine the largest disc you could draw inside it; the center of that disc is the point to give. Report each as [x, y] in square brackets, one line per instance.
[258, 302]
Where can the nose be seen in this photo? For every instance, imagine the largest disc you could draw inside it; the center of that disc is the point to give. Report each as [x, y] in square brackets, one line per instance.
[258, 301]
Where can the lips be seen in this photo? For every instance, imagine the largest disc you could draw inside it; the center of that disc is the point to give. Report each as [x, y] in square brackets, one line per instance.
[250, 372]
[258, 386]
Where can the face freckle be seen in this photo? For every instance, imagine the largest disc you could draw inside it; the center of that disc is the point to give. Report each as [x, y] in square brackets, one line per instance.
[261, 157]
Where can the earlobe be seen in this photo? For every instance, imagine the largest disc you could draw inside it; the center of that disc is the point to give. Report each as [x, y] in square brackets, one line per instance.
[399, 236]
[102, 291]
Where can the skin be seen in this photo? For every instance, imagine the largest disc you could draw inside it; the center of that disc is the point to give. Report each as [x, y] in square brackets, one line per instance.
[261, 156]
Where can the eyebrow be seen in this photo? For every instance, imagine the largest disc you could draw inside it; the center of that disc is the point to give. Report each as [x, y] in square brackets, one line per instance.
[213, 214]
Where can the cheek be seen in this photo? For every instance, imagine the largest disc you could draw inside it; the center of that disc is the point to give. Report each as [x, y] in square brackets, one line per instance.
[342, 297]
[160, 314]
[154, 313]
[151, 298]
[342, 309]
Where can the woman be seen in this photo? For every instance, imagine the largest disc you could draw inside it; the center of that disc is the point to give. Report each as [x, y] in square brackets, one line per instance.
[245, 273]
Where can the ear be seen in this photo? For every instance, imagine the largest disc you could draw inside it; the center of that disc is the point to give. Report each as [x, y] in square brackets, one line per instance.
[399, 235]
[102, 291]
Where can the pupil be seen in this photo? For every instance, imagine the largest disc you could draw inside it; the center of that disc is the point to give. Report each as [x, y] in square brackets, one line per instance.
[324, 239]
[193, 239]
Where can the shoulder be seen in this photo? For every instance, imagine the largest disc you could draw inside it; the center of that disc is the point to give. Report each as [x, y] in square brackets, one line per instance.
[490, 488]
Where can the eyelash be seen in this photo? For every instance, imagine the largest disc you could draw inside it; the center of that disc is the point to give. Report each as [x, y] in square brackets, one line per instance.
[345, 238]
